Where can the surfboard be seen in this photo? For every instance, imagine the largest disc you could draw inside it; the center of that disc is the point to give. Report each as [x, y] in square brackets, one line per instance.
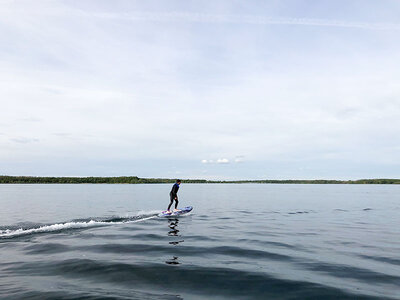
[182, 211]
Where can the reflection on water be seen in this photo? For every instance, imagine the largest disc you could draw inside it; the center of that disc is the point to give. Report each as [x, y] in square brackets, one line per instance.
[173, 261]
[173, 232]
[173, 224]
[175, 243]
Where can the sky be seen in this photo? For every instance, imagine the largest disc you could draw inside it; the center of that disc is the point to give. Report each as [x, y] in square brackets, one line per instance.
[279, 89]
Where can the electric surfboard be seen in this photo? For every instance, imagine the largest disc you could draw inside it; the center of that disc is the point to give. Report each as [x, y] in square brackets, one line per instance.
[182, 211]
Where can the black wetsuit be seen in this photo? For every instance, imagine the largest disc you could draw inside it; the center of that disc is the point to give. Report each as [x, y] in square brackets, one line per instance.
[174, 196]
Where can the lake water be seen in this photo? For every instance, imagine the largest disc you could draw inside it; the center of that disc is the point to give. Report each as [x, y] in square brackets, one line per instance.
[243, 241]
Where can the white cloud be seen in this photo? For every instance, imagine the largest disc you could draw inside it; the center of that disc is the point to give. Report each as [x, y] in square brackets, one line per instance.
[243, 19]
[222, 161]
[217, 161]
[184, 16]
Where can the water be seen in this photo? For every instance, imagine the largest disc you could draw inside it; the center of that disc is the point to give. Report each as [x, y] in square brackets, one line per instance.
[243, 241]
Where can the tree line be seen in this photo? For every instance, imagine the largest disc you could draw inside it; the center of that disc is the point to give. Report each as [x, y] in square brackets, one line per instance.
[137, 180]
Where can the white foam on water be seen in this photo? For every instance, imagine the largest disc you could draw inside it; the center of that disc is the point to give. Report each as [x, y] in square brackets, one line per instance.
[146, 213]
[9, 233]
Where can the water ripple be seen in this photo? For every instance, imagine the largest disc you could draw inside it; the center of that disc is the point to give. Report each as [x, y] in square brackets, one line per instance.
[193, 279]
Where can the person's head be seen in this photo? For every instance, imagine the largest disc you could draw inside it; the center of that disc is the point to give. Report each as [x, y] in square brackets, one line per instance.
[178, 181]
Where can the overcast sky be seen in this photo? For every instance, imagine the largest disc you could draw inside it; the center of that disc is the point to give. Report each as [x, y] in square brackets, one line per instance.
[200, 89]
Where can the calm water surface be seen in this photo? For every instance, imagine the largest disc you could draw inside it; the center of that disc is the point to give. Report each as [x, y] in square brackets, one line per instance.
[243, 241]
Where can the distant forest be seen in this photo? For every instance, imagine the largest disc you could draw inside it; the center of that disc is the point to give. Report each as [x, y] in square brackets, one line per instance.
[137, 180]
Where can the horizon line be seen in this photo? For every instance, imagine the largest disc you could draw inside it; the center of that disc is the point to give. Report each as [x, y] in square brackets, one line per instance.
[195, 179]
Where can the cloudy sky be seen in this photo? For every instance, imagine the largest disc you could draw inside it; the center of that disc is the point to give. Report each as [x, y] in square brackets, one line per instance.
[200, 89]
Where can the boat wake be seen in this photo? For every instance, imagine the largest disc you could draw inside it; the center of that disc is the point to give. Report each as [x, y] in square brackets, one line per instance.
[14, 231]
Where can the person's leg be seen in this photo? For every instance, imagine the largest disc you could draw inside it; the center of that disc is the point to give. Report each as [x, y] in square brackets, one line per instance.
[176, 203]
[169, 206]
[172, 200]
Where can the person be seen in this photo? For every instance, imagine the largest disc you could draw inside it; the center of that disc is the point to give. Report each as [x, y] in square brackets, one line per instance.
[173, 195]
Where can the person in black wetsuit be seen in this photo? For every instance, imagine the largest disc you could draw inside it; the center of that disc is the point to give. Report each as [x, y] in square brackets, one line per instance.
[173, 195]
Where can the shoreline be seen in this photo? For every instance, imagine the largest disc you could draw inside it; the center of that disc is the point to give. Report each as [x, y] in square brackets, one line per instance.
[4, 179]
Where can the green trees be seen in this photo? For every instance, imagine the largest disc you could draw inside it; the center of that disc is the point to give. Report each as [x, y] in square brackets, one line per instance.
[92, 180]
[137, 180]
